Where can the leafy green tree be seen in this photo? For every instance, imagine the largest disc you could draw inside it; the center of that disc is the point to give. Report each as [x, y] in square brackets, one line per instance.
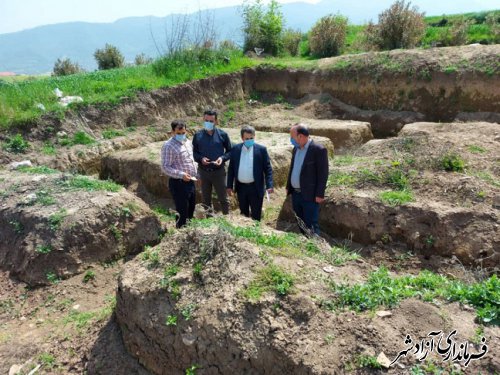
[263, 29]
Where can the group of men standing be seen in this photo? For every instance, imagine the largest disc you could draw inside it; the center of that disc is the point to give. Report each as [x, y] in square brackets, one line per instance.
[249, 173]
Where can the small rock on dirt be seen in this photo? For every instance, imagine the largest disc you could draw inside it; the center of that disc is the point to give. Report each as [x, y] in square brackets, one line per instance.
[383, 361]
[383, 314]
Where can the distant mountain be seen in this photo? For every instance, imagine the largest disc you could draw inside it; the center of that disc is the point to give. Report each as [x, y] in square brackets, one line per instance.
[35, 50]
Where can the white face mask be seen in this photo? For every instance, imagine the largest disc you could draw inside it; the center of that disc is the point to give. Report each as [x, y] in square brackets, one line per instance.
[208, 125]
[180, 138]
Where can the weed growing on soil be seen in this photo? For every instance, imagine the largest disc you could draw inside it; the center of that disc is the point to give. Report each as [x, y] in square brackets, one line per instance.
[47, 360]
[270, 278]
[39, 169]
[452, 162]
[192, 370]
[164, 214]
[188, 311]
[82, 320]
[337, 178]
[52, 278]
[395, 198]
[48, 149]
[112, 133]
[16, 144]
[342, 160]
[88, 276]
[43, 249]
[167, 282]
[116, 232]
[17, 225]
[171, 320]
[152, 257]
[368, 361]
[340, 255]
[382, 289]
[76, 182]
[487, 177]
[79, 138]
[56, 219]
[44, 198]
[477, 149]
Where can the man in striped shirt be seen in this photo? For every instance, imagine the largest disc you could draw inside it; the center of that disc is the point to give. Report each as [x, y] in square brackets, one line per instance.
[178, 163]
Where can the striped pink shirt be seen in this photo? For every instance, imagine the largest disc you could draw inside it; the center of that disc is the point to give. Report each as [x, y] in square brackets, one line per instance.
[177, 159]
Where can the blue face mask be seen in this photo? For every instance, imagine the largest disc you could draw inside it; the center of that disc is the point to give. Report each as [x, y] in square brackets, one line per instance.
[180, 138]
[208, 125]
[249, 143]
[294, 142]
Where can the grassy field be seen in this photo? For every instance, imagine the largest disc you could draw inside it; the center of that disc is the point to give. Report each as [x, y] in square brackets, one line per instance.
[20, 96]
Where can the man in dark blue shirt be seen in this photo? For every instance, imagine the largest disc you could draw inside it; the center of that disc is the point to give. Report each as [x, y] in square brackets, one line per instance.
[211, 149]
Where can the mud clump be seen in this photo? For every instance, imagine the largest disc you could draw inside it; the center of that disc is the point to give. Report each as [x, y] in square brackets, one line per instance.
[54, 225]
[193, 302]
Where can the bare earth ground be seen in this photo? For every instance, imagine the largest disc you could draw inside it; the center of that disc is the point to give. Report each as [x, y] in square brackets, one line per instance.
[69, 327]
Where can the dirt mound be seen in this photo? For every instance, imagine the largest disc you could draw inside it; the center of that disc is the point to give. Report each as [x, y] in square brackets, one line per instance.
[195, 305]
[383, 123]
[438, 82]
[343, 134]
[434, 188]
[140, 169]
[54, 225]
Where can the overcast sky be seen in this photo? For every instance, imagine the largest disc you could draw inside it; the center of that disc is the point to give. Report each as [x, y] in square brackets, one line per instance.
[16, 15]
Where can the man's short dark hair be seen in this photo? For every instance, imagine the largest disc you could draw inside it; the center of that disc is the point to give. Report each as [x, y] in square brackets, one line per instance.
[302, 129]
[247, 129]
[178, 124]
[210, 112]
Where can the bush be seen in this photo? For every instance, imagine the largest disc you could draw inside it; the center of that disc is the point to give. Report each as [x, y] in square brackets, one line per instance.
[194, 62]
[16, 144]
[398, 27]
[263, 29]
[65, 67]
[452, 162]
[327, 37]
[291, 41]
[304, 49]
[142, 59]
[109, 57]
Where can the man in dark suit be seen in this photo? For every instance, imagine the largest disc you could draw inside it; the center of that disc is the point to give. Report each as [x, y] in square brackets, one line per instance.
[249, 174]
[307, 177]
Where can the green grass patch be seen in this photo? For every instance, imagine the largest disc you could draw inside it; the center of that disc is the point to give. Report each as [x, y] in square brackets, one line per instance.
[271, 278]
[337, 178]
[396, 198]
[477, 149]
[383, 290]
[487, 177]
[48, 149]
[38, 169]
[16, 144]
[79, 138]
[56, 219]
[43, 249]
[112, 133]
[164, 214]
[452, 162]
[107, 88]
[83, 320]
[77, 182]
[151, 257]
